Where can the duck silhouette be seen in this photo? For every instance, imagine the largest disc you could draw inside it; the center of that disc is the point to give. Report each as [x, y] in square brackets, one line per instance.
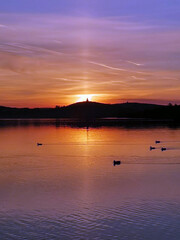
[116, 163]
[39, 144]
[151, 148]
[163, 149]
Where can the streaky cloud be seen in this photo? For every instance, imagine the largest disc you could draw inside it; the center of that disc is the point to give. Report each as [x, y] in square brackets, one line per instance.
[113, 68]
[67, 80]
[134, 63]
[138, 78]
[106, 66]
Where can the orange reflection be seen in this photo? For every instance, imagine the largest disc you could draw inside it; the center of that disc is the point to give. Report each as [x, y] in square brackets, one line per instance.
[76, 163]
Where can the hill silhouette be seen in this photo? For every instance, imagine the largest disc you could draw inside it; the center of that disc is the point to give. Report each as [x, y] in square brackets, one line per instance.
[92, 110]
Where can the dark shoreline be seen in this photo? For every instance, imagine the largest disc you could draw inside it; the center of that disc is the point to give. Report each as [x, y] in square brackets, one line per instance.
[95, 123]
[93, 114]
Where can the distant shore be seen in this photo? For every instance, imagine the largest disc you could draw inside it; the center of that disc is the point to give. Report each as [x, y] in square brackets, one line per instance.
[90, 112]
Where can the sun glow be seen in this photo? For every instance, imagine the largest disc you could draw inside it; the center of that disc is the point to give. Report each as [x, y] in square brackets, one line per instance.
[84, 97]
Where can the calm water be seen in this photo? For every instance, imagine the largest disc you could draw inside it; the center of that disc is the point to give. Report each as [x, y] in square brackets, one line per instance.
[69, 189]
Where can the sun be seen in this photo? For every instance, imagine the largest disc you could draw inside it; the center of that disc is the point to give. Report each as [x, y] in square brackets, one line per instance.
[84, 97]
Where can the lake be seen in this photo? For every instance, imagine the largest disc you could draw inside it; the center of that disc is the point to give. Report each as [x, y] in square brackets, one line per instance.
[68, 188]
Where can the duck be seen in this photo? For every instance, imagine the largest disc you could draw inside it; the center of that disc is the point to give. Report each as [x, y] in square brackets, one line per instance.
[116, 163]
[163, 149]
[39, 144]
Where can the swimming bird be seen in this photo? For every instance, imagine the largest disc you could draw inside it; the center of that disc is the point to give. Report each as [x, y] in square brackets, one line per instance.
[157, 141]
[163, 149]
[151, 148]
[116, 163]
[39, 144]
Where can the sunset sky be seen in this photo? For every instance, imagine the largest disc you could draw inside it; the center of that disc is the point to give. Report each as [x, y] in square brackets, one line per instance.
[54, 51]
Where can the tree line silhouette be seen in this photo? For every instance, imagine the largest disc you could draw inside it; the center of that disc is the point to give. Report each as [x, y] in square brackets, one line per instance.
[94, 110]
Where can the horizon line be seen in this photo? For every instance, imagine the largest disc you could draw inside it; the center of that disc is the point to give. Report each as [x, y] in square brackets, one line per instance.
[125, 102]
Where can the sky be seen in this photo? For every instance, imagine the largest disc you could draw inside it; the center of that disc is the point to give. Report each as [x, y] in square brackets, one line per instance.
[54, 52]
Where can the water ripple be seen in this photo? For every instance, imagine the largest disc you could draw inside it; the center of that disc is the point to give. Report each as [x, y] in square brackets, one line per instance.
[132, 220]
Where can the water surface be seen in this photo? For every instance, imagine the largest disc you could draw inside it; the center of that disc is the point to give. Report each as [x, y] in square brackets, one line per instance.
[68, 188]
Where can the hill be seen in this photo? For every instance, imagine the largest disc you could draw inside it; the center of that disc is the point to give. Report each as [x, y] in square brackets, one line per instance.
[93, 110]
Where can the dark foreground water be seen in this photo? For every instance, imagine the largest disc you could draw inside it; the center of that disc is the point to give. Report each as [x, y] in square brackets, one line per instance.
[68, 188]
